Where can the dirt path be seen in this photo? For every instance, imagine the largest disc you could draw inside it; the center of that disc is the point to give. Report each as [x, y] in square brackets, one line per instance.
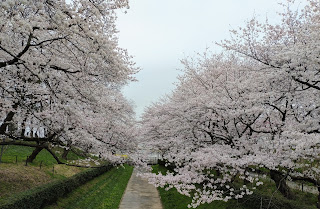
[140, 194]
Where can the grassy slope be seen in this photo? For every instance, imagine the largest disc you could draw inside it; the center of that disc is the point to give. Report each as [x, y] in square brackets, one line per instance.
[21, 152]
[16, 177]
[104, 191]
[173, 200]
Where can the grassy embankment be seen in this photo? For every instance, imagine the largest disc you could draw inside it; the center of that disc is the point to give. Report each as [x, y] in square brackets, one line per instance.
[266, 196]
[104, 191]
[16, 177]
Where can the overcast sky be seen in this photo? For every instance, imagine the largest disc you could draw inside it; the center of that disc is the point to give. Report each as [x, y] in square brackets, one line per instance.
[158, 33]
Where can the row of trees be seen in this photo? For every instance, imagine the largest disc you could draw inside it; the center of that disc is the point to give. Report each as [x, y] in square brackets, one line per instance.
[61, 76]
[255, 106]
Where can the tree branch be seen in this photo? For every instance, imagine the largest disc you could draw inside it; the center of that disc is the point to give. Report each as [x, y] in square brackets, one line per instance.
[16, 58]
[306, 83]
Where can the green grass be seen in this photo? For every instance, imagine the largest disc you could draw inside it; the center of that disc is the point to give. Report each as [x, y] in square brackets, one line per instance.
[171, 199]
[15, 177]
[268, 191]
[104, 191]
[20, 153]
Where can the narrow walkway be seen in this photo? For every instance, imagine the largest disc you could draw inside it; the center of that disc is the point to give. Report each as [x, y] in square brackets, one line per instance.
[140, 194]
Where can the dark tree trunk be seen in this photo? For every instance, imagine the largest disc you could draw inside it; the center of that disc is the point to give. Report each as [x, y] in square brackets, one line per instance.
[65, 154]
[281, 184]
[2, 150]
[3, 126]
[6, 121]
[34, 154]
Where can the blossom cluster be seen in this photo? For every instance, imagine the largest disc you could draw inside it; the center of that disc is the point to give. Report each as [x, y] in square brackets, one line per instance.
[254, 106]
[62, 73]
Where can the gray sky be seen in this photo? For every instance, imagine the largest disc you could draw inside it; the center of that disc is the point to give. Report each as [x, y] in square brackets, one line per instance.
[158, 33]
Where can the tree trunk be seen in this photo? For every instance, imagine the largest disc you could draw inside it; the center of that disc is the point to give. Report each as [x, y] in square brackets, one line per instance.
[65, 154]
[34, 154]
[2, 150]
[281, 184]
[8, 119]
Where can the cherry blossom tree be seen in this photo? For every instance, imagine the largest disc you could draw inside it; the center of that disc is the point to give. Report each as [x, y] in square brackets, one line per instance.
[61, 75]
[290, 51]
[255, 106]
[199, 130]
